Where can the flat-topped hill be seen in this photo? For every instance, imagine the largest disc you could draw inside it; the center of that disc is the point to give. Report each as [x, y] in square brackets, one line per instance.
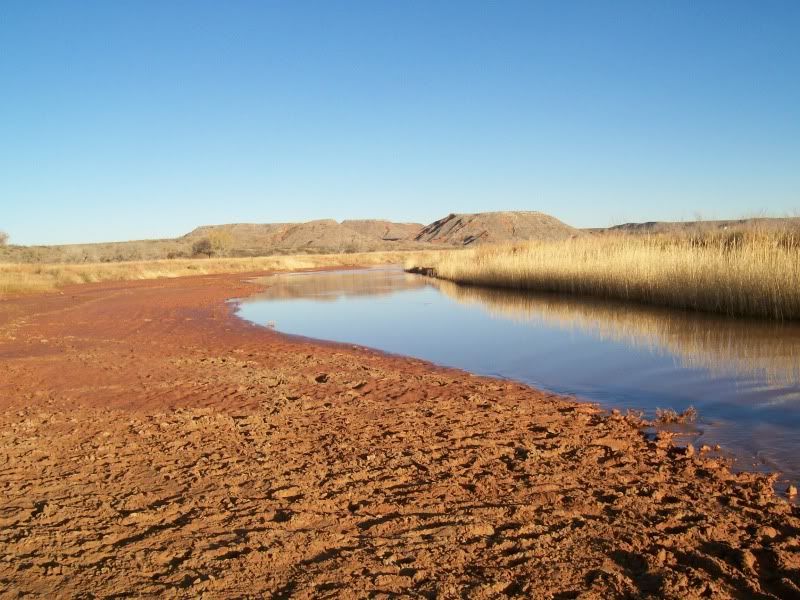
[506, 226]
[320, 236]
[324, 235]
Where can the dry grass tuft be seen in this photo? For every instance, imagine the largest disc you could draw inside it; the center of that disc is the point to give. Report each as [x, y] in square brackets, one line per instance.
[747, 272]
[20, 278]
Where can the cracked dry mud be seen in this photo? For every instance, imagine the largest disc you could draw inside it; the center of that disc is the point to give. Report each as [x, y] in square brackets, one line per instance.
[153, 444]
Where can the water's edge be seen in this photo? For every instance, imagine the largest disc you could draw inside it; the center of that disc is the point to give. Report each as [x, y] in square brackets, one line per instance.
[330, 306]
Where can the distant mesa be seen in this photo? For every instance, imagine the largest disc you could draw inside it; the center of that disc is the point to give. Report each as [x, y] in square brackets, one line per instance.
[491, 227]
[318, 236]
[385, 230]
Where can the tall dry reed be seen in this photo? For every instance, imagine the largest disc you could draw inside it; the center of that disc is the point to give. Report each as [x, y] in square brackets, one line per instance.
[737, 273]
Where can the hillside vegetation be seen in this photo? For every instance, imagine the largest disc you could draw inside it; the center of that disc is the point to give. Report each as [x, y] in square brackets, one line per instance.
[740, 272]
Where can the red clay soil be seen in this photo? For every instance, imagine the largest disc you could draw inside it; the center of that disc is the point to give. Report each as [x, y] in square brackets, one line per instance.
[153, 444]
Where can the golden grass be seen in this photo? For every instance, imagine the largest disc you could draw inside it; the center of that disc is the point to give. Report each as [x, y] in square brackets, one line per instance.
[737, 273]
[16, 278]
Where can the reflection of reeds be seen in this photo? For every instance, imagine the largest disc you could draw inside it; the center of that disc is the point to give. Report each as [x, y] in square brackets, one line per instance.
[335, 284]
[746, 272]
[764, 348]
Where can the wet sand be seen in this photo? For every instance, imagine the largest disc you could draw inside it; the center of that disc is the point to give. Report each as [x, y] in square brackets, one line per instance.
[152, 443]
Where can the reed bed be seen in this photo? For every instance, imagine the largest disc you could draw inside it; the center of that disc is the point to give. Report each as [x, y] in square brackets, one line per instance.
[737, 273]
[18, 278]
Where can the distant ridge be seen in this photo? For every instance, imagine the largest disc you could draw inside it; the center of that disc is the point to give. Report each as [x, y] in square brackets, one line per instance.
[660, 227]
[490, 227]
[312, 237]
[384, 230]
[322, 235]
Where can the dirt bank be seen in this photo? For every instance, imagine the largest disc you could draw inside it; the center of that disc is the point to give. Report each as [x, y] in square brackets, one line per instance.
[152, 443]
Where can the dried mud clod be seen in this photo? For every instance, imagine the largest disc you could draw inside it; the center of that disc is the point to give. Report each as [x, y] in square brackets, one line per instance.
[669, 415]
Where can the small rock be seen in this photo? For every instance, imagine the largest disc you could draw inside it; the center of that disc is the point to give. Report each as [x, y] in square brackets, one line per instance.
[791, 491]
[393, 581]
[288, 492]
[767, 532]
[613, 444]
[689, 450]
[705, 448]
[481, 529]
[661, 556]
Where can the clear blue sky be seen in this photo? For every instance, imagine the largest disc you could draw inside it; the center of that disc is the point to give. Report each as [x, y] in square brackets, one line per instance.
[134, 119]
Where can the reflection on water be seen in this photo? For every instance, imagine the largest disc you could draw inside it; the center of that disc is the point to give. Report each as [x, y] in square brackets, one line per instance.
[334, 285]
[763, 349]
[742, 375]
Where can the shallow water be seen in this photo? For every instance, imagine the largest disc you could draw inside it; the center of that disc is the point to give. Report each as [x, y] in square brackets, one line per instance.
[743, 376]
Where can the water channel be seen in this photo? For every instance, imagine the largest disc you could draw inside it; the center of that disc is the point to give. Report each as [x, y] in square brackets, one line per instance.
[743, 376]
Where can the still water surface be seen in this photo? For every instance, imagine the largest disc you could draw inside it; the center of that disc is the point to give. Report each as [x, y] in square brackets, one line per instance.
[743, 376]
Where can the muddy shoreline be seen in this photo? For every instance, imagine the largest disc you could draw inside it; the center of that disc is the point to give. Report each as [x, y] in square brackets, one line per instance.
[153, 443]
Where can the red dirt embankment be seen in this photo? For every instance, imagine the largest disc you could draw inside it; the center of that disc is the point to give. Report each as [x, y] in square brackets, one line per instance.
[152, 443]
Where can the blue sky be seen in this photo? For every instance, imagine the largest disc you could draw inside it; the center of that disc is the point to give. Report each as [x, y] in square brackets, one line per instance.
[135, 119]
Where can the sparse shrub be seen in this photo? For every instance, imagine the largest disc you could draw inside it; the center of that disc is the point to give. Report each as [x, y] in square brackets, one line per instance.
[203, 246]
[221, 243]
[127, 255]
[3, 238]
